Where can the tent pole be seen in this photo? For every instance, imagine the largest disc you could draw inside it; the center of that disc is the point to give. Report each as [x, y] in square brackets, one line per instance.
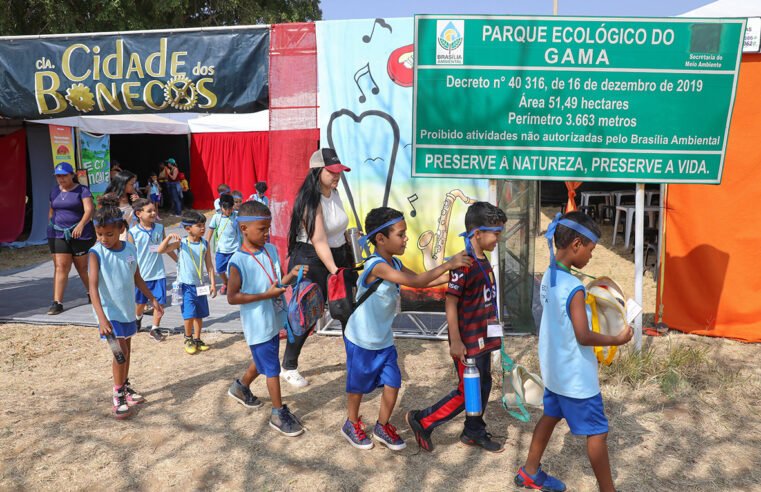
[639, 226]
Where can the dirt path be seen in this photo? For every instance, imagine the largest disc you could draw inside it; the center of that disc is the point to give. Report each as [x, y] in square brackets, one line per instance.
[56, 430]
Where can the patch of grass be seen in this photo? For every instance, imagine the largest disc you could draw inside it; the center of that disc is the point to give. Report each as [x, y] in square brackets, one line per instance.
[11, 258]
[676, 371]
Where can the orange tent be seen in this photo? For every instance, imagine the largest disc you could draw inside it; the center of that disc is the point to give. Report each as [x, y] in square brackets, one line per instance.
[711, 280]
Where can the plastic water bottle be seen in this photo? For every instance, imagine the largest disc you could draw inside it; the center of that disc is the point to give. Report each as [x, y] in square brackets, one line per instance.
[176, 294]
[471, 381]
[115, 348]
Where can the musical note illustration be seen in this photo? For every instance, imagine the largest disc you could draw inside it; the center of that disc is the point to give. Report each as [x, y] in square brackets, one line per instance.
[412, 198]
[379, 22]
[361, 73]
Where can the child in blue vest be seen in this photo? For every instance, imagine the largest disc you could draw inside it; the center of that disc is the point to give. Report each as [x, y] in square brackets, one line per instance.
[237, 199]
[147, 237]
[114, 274]
[567, 358]
[193, 255]
[371, 357]
[226, 235]
[221, 190]
[255, 284]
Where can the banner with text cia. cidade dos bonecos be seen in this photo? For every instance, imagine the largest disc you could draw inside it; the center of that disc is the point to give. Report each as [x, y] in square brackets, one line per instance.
[588, 99]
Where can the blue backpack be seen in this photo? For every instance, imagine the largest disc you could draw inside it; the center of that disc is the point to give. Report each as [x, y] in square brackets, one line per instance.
[305, 307]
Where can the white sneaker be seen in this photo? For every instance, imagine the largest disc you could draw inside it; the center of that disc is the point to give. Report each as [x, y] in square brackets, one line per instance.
[293, 378]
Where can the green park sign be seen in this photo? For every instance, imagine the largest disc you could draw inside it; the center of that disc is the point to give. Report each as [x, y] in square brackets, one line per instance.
[586, 99]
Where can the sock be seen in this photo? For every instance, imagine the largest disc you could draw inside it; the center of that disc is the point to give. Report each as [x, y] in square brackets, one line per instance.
[140, 318]
[154, 327]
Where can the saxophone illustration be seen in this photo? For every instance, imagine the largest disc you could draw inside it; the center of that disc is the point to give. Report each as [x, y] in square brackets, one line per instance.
[432, 246]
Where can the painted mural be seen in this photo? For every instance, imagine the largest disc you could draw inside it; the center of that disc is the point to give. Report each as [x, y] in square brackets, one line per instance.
[365, 70]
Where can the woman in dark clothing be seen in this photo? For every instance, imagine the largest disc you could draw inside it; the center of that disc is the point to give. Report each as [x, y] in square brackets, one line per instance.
[316, 238]
[70, 232]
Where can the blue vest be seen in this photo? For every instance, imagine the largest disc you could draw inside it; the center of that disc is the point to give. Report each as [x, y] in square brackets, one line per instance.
[261, 320]
[568, 368]
[369, 326]
[191, 261]
[226, 232]
[151, 264]
[116, 281]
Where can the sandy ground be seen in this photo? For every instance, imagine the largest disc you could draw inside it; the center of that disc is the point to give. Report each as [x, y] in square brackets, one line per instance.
[691, 426]
[57, 431]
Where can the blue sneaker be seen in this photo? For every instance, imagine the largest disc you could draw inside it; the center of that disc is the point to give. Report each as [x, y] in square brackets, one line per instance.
[387, 436]
[355, 434]
[539, 481]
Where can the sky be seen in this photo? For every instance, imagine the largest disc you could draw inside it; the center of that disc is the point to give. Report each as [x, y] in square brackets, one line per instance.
[363, 9]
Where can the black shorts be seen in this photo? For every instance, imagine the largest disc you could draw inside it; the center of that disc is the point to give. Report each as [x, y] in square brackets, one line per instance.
[75, 247]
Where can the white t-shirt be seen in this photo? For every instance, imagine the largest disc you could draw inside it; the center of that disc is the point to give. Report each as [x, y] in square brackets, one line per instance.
[335, 218]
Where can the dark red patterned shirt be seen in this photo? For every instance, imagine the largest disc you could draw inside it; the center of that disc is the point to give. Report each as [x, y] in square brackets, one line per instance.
[475, 306]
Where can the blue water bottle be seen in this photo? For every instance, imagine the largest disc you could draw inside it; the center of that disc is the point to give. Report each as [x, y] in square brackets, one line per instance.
[471, 381]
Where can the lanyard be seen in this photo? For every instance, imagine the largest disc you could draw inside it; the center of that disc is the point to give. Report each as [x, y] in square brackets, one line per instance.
[272, 264]
[487, 278]
[199, 267]
[220, 230]
[471, 252]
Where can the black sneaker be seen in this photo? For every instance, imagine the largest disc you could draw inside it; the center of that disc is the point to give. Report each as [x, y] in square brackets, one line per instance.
[139, 323]
[55, 308]
[422, 436]
[148, 311]
[242, 394]
[156, 335]
[482, 441]
[283, 421]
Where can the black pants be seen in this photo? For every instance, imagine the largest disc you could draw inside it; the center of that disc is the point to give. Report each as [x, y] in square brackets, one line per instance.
[454, 403]
[305, 254]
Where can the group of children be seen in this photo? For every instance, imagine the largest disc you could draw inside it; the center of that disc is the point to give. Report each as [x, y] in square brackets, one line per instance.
[252, 276]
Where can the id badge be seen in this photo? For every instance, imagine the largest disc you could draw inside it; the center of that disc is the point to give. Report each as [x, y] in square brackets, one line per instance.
[481, 343]
[494, 328]
[153, 248]
[398, 309]
[203, 290]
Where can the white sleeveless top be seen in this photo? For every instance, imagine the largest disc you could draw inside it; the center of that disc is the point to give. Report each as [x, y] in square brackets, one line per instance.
[336, 221]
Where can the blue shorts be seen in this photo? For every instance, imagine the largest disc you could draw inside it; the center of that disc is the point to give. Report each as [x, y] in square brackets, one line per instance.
[123, 330]
[585, 416]
[265, 356]
[157, 288]
[155, 198]
[193, 306]
[221, 260]
[367, 370]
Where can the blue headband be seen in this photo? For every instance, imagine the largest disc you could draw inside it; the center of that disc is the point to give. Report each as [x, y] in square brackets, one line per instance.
[363, 240]
[468, 235]
[550, 235]
[98, 223]
[252, 218]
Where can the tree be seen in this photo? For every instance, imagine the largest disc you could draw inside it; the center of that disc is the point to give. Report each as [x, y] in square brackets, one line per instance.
[34, 17]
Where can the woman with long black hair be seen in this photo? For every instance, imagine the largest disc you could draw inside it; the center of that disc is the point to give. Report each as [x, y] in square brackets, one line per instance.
[122, 186]
[316, 238]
